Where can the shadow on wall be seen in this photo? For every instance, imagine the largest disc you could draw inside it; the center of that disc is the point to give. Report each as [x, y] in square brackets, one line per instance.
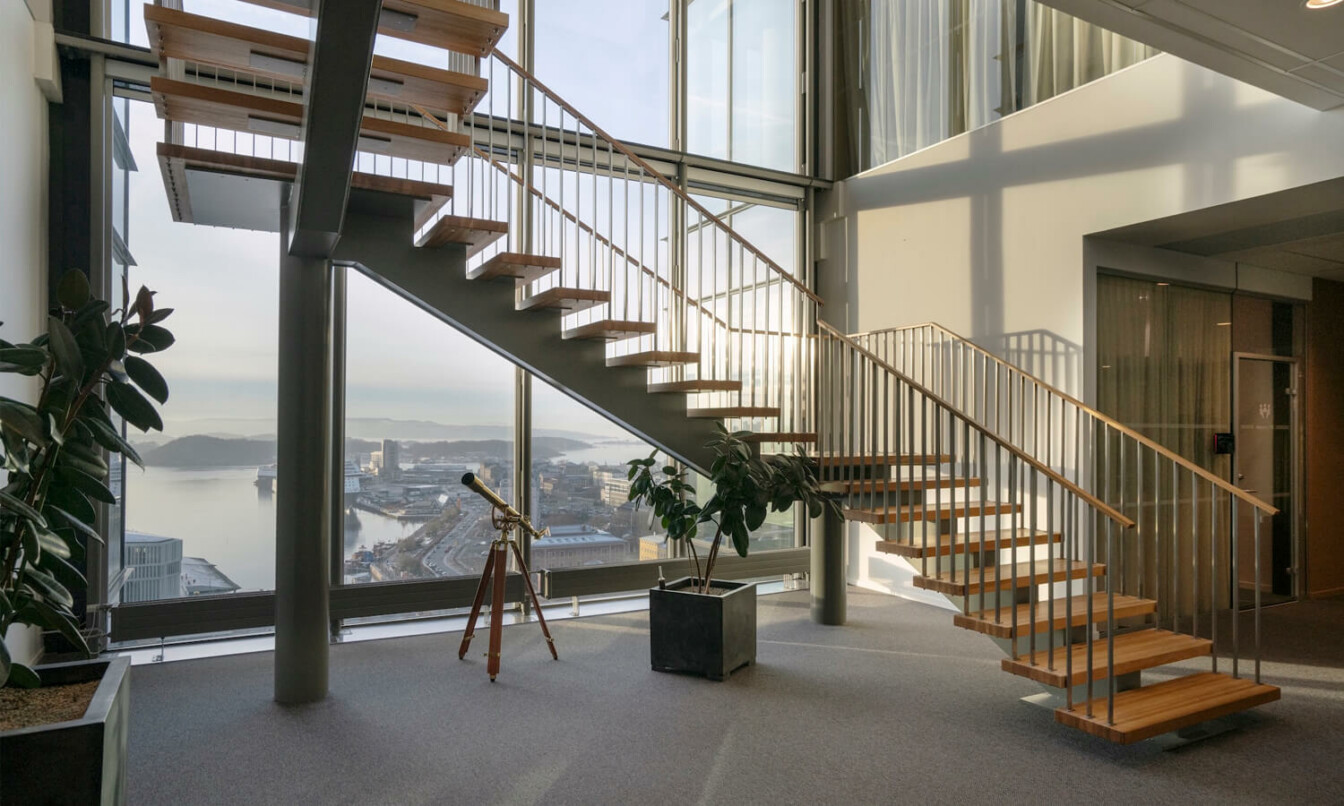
[1049, 356]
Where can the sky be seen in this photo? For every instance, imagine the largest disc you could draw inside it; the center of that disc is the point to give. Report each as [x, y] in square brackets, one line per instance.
[402, 363]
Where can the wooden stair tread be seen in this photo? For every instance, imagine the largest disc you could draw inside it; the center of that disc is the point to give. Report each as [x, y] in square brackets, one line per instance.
[198, 38]
[1000, 577]
[929, 512]
[966, 541]
[759, 437]
[515, 266]
[202, 104]
[1126, 607]
[1148, 711]
[610, 329]
[693, 386]
[904, 484]
[1134, 651]
[727, 412]
[449, 24]
[838, 460]
[653, 358]
[175, 160]
[475, 233]
[565, 299]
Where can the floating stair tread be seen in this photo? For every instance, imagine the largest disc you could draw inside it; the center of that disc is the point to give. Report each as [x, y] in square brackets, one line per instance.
[175, 160]
[780, 437]
[693, 386]
[653, 358]
[1148, 711]
[1134, 652]
[198, 38]
[188, 102]
[837, 460]
[515, 266]
[1001, 577]
[728, 412]
[610, 329]
[449, 24]
[904, 484]
[1126, 607]
[966, 542]
[565, 299]
[475, 233]
[928, 512]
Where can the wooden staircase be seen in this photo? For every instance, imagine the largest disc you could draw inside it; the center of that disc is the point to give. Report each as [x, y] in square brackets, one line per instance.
[1040, 572]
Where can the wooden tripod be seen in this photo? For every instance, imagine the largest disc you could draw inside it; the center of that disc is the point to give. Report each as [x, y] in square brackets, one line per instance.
[493, 575]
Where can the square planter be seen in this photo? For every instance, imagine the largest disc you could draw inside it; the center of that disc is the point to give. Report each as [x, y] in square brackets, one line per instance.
[80, 761]
[699, 633]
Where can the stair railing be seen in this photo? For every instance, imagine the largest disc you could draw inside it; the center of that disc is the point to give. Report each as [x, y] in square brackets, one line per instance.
[874, 419]
[719, 311]
[1189, 550]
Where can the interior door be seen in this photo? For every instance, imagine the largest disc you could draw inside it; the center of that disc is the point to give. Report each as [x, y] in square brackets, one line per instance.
[1264, 465]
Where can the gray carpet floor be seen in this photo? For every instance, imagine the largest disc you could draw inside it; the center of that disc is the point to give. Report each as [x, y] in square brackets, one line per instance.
[896, 707]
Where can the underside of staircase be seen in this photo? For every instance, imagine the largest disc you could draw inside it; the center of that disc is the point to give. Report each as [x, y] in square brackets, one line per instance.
[483, 243]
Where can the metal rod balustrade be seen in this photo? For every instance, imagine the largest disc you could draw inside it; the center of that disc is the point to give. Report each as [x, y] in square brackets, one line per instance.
[1141, 477]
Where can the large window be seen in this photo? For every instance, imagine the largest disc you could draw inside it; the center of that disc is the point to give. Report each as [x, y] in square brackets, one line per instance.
[743, 81]
[200, 518]
[424, 404]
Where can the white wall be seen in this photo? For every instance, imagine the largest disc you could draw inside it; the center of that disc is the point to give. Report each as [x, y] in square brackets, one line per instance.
[984, 233]
[23, 211]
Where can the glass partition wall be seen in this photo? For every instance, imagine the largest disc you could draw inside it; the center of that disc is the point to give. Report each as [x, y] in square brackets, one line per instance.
[424, 402]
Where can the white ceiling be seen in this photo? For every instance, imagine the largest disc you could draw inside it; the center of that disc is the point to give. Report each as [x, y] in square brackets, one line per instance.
[1299, 231]
[1278, 45]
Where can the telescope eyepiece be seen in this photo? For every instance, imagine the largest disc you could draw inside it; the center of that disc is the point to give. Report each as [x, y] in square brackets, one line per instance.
[469, 479]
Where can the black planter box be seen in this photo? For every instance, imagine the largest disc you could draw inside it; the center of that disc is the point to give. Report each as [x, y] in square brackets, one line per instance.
[702, 634]
[82, 761]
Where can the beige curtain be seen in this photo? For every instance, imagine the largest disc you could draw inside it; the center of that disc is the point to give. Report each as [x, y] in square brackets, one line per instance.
[1064, 52]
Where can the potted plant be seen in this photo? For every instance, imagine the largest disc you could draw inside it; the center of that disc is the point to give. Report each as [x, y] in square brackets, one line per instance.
[699, 624]
[55, 474]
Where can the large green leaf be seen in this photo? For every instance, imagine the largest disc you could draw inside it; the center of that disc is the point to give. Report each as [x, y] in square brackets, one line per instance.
[90, 486]
[52, 544]
[5, 663]
[63, 571]
[68, 500]
[73, 290]
[59, 620]
[147, 378]
[13, 504]
[23, 360]
[70, 520]
[23, 677]
[23, 420]
[152, 338]
[129, 403]
[66, 349]
[109, 438]
[50, 588]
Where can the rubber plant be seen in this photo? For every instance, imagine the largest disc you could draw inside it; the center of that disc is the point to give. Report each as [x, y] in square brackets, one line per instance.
[90, 364]
[746, 488]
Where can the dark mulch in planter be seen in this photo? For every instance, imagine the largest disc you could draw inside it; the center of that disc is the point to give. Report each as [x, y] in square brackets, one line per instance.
[24, 708]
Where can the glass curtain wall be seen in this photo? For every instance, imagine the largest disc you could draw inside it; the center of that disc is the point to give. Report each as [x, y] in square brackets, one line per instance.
[926, 70]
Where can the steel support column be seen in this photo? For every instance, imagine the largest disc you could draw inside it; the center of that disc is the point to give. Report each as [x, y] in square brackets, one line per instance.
[303, 481]
[828, 569]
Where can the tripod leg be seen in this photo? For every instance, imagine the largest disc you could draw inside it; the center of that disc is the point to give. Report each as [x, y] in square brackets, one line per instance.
[476, 607]
[496, 608]
[532, 592]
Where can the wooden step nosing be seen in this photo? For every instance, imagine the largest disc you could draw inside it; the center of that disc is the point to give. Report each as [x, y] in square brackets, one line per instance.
[1130, 656]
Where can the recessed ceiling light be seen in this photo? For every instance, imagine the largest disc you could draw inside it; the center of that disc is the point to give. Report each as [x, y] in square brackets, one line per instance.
[1323, 3]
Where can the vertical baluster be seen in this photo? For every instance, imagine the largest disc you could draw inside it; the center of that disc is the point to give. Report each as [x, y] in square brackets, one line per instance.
[1110, 629]
[1194, 554]
[984, 558]
[1236, 588]
[1175, 548]
[1256, 514]
[1069, 522]
[1213, 574]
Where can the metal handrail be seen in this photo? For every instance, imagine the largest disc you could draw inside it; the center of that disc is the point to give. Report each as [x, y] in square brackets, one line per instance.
[1110, 422]
[655, 174]
[1091, 500]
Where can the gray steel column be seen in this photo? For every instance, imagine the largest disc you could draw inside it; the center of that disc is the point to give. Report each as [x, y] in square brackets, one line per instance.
[303, 480]
[337, 475]
[828, 569]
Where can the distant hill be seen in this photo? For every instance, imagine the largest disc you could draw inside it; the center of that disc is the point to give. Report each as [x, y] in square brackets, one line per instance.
[200, 450]
[203, 451]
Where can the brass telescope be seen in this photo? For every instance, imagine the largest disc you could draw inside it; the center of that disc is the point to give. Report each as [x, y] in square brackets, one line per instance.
[477, 486]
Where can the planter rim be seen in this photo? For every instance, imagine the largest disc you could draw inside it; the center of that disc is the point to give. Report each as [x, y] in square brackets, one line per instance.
[104, 696]
[678, 586]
